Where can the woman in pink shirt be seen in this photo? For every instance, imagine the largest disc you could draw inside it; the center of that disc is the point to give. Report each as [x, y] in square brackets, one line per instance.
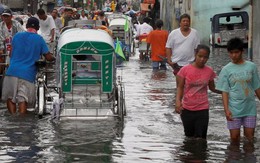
[192, 94]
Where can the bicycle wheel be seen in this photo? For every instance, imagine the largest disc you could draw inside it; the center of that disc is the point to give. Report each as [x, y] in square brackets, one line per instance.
[116, 100]
[121, 105]
[41, 101]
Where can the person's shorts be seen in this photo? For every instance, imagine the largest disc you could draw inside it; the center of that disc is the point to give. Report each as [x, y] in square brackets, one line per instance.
[247, 122]
[159, 65]
[51, 46]
[18, 90]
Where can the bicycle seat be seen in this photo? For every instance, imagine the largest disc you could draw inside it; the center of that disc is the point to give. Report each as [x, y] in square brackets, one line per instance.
[40, 63]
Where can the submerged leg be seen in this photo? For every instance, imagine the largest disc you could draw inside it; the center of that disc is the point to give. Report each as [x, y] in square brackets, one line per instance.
[23, 107]
[11, 106]
[235, 135]
[249, 133]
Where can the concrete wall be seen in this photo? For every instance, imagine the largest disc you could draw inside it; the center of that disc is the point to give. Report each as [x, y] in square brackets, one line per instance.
[15, 4]
[167, 13]
[22, 5]
[256, 32]
[171, 10]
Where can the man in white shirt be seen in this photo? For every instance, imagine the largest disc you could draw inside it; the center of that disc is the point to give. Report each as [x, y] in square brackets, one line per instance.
[144, 28]
[181, 44]
[57, 21]
[8, 28]
[142, 32]
[47, 29]
[83, 15]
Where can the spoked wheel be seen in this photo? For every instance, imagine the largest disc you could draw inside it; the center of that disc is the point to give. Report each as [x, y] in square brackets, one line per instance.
[115, 96]
[41, 101]
[121, 105]
[133, 48]
[146, 57]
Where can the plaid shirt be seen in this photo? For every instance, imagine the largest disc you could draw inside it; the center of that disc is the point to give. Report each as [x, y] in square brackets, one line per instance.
[4, 33]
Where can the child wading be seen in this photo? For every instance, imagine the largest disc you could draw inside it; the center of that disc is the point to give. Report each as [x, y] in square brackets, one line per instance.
[192, 94]
[239, 83]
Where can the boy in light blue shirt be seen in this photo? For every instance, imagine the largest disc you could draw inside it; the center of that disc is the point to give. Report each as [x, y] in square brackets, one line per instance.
[239, 83]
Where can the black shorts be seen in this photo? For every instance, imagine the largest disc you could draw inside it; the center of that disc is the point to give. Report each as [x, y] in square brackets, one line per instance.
[195, 123]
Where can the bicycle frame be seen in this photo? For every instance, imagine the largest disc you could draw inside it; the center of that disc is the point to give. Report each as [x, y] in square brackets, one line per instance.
[41, 89]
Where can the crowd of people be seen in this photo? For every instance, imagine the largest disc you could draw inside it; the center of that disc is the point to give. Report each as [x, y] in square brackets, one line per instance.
[238, 82]
[27, 44]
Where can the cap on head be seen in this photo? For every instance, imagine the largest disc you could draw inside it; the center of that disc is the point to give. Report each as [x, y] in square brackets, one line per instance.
[32, 22]
[7, 12]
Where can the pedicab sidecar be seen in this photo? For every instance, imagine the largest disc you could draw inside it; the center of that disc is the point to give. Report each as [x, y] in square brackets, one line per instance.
[118, 27]
[88, 81]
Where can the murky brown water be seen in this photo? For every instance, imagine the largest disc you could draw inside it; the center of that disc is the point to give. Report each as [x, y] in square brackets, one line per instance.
[151, 132]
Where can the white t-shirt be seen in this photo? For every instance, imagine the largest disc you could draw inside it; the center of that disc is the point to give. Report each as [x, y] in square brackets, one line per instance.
[45, 28]
[58, 25]
[144, 29]
[83, 18]
[183, 47]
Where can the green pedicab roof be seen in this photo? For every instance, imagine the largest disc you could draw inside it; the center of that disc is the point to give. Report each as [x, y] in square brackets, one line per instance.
[87, 48]
[85, 41]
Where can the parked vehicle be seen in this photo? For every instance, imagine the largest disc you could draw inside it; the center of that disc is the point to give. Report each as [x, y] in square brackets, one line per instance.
[225, 26]
[117, 24]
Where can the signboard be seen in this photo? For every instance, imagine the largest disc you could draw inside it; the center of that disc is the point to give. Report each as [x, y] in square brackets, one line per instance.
[66, 68]
[107, 73]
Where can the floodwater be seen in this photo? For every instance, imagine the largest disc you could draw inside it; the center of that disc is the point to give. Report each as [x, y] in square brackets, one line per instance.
[152, 132]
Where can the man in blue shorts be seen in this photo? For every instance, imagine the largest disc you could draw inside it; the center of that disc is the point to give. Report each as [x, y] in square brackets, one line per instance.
[18, 85]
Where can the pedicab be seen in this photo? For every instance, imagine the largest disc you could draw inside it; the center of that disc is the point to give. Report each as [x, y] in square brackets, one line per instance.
[143, 47]
[120, 25]
[88, 81]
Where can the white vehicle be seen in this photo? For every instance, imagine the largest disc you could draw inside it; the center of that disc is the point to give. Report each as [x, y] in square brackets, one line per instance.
[225, 26]
[117, 25]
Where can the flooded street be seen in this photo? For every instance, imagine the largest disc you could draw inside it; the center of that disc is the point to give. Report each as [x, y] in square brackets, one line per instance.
[152, 132]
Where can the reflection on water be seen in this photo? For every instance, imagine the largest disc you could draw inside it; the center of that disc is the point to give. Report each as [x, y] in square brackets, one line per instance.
[236, 153]
[28, 139]
[152, 132]
[193, 150]
[89, 140]
[22, 140]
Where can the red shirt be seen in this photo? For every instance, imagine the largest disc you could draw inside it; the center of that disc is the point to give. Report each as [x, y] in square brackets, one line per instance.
[195, 94]
[157, 39]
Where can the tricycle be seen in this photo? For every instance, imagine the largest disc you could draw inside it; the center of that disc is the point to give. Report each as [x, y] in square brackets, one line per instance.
[87, 81]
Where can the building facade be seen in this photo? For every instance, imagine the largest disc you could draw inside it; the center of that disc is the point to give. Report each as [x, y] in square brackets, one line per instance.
[29, 5]
[256, 31]
[200, 10]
